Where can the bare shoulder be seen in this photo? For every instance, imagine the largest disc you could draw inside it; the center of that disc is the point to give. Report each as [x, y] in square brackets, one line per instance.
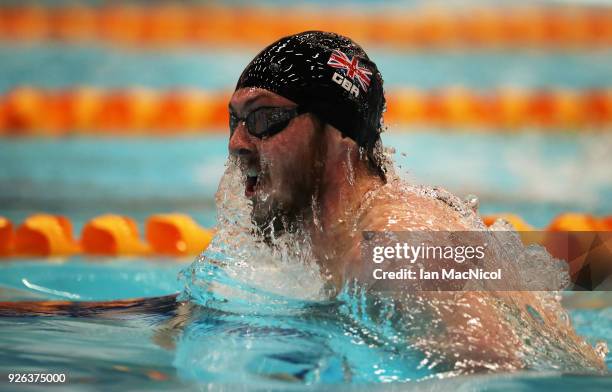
[398, 206]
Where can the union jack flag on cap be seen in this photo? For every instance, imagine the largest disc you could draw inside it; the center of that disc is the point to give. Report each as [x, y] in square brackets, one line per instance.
[351, 65]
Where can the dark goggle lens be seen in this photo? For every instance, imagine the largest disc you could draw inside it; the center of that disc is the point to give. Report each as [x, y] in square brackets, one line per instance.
[265, 122]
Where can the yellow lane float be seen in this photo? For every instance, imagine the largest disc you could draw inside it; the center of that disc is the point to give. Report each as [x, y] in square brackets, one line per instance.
[45, 235]
[163, 24]
[112, 235]
[31, 111]
[6, 236]
[176, 234]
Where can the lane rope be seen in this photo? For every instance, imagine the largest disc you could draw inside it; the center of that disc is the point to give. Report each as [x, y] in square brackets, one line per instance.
[33, 111]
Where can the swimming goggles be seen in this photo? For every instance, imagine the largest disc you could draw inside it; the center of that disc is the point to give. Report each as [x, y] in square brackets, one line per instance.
[266, 121]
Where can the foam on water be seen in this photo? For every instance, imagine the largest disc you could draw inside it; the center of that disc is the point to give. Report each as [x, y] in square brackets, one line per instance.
[279, 284]
[285, 269]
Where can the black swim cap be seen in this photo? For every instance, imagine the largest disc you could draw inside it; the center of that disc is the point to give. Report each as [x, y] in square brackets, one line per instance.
[328, 74]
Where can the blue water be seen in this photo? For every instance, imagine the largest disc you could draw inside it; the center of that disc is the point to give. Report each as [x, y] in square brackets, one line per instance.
[287, 347]
[94, 279]
[536, 176]
[214, 68]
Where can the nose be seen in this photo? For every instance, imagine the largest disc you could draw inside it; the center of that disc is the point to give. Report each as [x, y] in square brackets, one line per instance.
[240, 143]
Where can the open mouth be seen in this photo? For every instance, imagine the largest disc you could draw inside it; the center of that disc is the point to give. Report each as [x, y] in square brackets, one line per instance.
[251, 183]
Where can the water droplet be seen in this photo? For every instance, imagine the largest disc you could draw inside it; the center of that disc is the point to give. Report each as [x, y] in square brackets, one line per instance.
[472, 202]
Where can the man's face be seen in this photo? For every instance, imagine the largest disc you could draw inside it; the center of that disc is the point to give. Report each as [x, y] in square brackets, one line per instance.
[279, 170]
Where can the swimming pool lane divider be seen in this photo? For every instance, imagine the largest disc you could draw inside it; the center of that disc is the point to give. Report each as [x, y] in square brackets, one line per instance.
[106, 235]
[176, 234]
[33, 111]
[569, 25]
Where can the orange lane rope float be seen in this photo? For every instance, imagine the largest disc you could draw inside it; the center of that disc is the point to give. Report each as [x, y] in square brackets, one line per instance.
[45, 235]
[6, 236]
[112, 235]
[175, 234]
[172, 24]
[32, 111]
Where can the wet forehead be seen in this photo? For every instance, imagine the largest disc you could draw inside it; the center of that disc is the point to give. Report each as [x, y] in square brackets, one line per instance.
[246, 99]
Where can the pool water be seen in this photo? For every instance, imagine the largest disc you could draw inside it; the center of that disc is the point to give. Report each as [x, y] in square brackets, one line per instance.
[158, 346]
[153, 345]
[111, 67]
[534, 175]
[82, 279]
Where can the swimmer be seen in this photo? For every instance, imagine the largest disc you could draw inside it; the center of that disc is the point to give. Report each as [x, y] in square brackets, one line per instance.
[305, 124]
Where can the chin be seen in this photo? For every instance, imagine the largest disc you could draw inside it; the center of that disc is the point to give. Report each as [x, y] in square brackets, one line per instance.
[263, 213]
[271, 214]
